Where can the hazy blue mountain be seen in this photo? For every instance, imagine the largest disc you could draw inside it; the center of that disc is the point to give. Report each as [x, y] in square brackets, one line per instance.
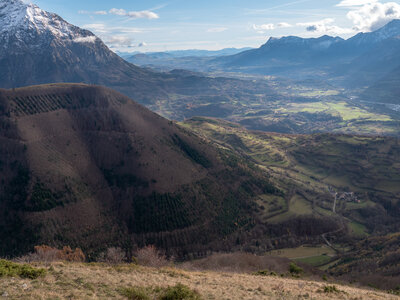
[287, 49]
[385, 90]
[187, 53]
[356, 62]
[197, 60]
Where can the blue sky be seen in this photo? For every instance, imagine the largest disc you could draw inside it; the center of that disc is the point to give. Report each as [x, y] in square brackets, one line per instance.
[159, 25]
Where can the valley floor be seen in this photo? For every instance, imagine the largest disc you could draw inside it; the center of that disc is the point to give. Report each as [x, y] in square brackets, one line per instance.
[98, 281]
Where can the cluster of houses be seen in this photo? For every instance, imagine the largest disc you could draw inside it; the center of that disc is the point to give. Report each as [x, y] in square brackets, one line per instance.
[344, 196]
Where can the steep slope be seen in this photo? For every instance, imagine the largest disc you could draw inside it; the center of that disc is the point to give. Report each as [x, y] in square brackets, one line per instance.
[386, 89]
[374, 64]
[83, 165]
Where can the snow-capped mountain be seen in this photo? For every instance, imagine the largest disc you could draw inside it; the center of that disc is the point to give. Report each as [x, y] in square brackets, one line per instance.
[23, 23]
[39, 47]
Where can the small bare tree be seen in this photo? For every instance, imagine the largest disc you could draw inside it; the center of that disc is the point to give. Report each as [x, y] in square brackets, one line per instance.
[113, 255]
[150, 256]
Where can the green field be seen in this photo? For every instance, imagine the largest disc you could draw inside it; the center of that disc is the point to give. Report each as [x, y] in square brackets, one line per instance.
[358, 229]
[303, 252]
[313, 255]
[340, 109]
[315, 261]
[297, 207]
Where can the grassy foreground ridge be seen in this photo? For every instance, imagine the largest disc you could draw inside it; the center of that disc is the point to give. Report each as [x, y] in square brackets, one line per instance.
[63, 280]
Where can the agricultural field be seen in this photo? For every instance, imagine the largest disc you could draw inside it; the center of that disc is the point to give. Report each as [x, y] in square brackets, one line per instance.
[312, 255]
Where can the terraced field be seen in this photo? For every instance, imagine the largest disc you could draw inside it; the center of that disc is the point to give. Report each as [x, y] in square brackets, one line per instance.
[360, 172]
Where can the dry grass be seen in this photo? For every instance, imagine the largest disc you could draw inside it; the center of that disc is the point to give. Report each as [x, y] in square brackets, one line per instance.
[101, 281]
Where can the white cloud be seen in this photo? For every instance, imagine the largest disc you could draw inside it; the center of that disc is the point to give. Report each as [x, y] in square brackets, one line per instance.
[118, 12]
[85, 12]
[144, 14]
[270, 26]
[98, 27]
[263, 27]
[142, 44]
[349, 3]
[284, 25]
[325, 26]
[217, 29]
[118, 41]
[86, 39]
[373, 16]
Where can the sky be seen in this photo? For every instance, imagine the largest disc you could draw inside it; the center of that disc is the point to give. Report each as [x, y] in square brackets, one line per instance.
[164, 25]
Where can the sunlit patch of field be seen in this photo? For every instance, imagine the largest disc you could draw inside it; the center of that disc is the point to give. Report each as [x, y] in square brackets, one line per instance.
[338, 109]
[319, 93]
[315, 261]
[313, 255]
[303, 252]
[298, 206]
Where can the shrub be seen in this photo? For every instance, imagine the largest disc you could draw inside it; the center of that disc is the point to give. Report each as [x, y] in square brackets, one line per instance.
[262, 273]
[331, 289]
[265, 273]
[45, 253]
[8, 268]
[295, 269]
[151, 257]
[135, 293]
[113, 256]
[180, 292]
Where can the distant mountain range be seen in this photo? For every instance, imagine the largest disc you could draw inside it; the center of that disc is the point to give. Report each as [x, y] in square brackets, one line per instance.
[185, 53]
[364, 60]
[331, 57]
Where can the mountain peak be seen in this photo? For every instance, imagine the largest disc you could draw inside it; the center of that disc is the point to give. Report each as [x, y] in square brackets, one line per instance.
[390, 30]
[20, 21]
[319, 43]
